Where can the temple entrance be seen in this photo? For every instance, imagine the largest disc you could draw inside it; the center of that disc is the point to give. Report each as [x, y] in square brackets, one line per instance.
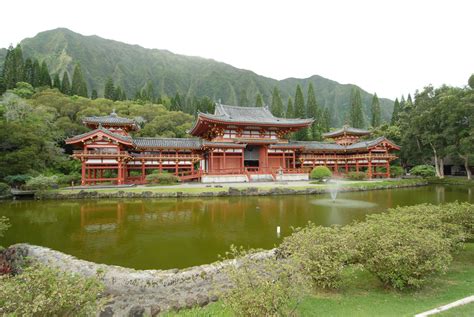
[252, 158]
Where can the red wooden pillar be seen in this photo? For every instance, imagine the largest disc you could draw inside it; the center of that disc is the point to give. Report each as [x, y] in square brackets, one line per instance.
[294, 159]
[347, 167]
[120, 173]
[83, 173]
[387, 167]
[336, 167]
[357, 165]
[95, 176]
[211, 156]
[225, 163]
[369, 171]
[143, 171]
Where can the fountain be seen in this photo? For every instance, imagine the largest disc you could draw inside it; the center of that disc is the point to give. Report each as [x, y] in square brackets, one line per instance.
[341, 203]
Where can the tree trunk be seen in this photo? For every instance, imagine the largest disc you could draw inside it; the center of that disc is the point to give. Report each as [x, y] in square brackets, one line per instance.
[466, 166]
[441, 167]
[435, 154]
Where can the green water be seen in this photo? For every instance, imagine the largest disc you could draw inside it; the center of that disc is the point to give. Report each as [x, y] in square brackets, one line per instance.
[171, 233]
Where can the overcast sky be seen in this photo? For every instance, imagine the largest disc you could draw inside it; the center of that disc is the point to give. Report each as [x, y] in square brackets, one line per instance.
[388, 47]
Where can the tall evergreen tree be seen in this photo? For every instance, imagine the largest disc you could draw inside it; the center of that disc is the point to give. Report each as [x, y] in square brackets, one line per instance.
[470, 81]
[259, 100]
[277, 103]
[290, 112]
[396, 112]
[66, 84]
[13, 67]
[244, 100]
[78, 85]
[176, 103]
[28, 71]
[3, 88]
[313, 112]
[36, 76]
[300, 112]
[326, 120]
[356, 115]
[375, 112]
[56, 82]
[109, 89]
[94, 94]
[45, 78]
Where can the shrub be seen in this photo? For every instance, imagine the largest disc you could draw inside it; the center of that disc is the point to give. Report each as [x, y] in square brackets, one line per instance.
[17, 180]
[161, 178]
[396, 171]
[401, 256]
[42, 182]
[68, 179]
[423, 171]
[320, 252]
[43, 291]
[4, 189]
[356, 176]
[261, 287]
[4, 225]
[320, 173]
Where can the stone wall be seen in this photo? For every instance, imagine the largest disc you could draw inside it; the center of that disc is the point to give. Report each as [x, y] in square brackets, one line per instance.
[138, 292]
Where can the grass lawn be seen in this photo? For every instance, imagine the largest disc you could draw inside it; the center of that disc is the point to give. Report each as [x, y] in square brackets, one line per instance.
[363, 295]
[460, 311]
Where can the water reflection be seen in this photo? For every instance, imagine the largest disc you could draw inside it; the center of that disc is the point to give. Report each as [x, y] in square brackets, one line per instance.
[178, 233]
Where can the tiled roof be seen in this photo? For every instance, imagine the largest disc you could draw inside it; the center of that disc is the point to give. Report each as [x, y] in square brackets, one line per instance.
[366, 144]
[315, 145]
[124, 138]
[258, 115]
[223, 144]
[188, 143]
[112, 119]
[346, 129]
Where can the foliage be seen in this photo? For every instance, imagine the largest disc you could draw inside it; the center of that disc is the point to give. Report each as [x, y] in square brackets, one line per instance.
[24, 90]
[42, 182]
[401, 256]
[4, 189]
[396, 171]
[277, 104]
[356, 116]
[320, 173]
[321, 253]
[68, 179]
[162, 178]
[78, 84]
[356, 176]
[375, 112]
[423, 171]
[289, 109]
[4, 225]
[262, 287]
[17, 180]
[471, 81]
[43, 291]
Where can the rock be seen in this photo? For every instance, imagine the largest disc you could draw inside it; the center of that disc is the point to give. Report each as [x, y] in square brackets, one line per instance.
[252, 190]
[234, 191]
[155, 310]
[190, 302]
[136, 311]
[214, 298]
[202, 300]
[107, 312]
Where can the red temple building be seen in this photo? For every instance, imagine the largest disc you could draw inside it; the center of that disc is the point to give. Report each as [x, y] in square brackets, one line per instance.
[235, 144]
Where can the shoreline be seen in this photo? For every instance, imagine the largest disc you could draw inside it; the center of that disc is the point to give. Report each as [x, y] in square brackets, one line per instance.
[224, 190]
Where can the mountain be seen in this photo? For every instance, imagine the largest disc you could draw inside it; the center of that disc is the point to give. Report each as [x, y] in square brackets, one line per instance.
[132, 66]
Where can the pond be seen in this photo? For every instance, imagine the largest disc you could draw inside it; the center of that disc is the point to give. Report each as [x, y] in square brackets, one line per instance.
[177, 233]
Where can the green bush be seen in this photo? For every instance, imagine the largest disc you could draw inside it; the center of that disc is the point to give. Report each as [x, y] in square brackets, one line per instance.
[401, 256]
[42, 182]
[4, 225]
[423, 171]
[68, 179]
[163, 178]
[4, 189]
[43, 291]
[17, 180]
[320, 173]
[261, 287]
[356, 176]
[321, 253]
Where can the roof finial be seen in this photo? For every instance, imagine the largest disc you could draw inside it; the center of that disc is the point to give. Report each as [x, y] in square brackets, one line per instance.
[113, 114]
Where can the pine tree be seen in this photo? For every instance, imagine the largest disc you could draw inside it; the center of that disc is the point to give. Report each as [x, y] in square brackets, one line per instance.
[149, 91]
[375, 112]
[36, 76]
[290, 112]
[78, 85]
[3, 88]
[56, 82]
[326, 123]
[396, 112]
[470, 81]
[66, 84]
[45, 78]
[356, 115]
[94, 94]
[300, 113]
[244, 100]
[176, 104]
[277, 103]
[13, 70]
[259, 100]
[28, 71]
[313, 112]
[109, 89]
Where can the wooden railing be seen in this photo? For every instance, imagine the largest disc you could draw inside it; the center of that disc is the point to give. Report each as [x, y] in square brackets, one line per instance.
[100, 154]
[347, 157]
[167, 156]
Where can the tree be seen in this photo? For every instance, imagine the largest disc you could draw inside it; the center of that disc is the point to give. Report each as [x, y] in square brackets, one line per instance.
[94, 94]
[78, 85]
[66, 84]
[396, 112]
[244, 100]
[299, 103]
[56, 82]
[277, 104]
[28, 71]
[326, 120]
[289, 109]
[109, 89]
[3, 88]
[13, 70]
[356, 115]
[375, 112]
[176, 103]
[259, 101]
[45, 78]
[471, 81]
[36, 79]
[313, 112]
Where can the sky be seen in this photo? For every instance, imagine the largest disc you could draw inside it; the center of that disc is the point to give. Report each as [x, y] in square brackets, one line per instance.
[388, 47]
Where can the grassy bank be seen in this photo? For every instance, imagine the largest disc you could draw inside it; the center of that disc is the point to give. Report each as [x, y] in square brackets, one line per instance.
[451, 180]
[363, 295]
[197, 190]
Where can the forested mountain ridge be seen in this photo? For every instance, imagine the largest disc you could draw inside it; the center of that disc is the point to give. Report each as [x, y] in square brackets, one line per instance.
[132, 67]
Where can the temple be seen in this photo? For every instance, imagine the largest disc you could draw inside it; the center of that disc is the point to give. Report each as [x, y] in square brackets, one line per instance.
[235, 144]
